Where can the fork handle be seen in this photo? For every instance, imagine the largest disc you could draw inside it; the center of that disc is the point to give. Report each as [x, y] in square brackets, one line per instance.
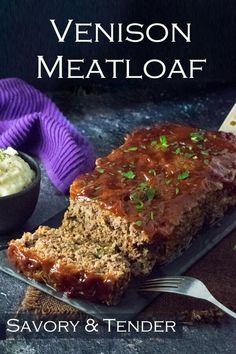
[221, 306]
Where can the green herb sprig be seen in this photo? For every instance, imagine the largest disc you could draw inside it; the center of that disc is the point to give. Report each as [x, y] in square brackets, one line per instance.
[197, 136]
[183, 175]
[132, 148]
[163, 141]
[129, 174]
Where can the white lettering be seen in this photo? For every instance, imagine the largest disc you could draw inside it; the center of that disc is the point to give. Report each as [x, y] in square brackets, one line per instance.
[78, 32]
[163, 38]
[95, 69]
[114, 66]
[64, 325]
[170, 324]
[177, 69]
[146, 326]
[120, 32]
[138, 33]
[12, 324]
[26, 327]
[128, 76]
[99, 28]
[58, 63]
[71, 68]
[49, 324]
[61, 38]
[192, 67]
[158, 326]
[109, 320]
[175, 28]
[74, 325]
[145, 68]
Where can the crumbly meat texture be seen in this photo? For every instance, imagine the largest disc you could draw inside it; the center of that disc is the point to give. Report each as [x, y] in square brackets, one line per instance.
[143, 204]
[89, 270]
[153, 194]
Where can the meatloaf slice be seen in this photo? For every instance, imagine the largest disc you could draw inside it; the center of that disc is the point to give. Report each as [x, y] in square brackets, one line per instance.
[153, 194]
[89, 270]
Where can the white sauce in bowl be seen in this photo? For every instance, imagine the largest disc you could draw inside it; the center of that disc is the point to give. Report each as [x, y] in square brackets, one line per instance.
[15, 173]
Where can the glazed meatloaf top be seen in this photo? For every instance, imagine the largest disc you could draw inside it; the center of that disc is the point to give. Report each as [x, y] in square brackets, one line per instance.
[159, 173]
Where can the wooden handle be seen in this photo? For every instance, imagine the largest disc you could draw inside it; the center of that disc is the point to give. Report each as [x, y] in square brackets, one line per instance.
[229, 124]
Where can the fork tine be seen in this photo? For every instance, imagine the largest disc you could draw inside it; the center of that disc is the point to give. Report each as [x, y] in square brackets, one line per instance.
[172, 279]
[147, 286]
[158, 290]
[162, 281]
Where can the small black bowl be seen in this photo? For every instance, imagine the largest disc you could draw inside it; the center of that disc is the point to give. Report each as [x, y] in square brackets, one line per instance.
[16, 208]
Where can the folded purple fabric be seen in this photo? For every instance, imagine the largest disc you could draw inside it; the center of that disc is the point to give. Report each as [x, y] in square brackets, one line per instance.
[31, 122]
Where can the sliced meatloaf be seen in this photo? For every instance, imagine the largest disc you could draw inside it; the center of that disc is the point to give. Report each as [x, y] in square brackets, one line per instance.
[142, 205]
[89, 270]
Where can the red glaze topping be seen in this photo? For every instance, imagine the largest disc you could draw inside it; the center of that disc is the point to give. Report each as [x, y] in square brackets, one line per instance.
[160, 173]
[65, 278]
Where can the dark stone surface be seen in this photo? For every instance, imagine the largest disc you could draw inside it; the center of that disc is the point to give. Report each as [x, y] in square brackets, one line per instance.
[105, 118]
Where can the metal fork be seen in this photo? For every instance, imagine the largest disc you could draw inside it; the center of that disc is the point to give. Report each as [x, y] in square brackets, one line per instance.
[185, 286]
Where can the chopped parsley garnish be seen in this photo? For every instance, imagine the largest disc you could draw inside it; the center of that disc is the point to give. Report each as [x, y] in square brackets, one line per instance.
[205, 152]
[168, 181]
[151, 192]
[206, 162]
[143, 186]
[134, 196]
[163, 141]
[138, 222]
[99, 252]
[129, 174]
[132, 148]
[191, 156]
[140, 205]
[178, 151]
[101, 170]
[183, 175]
[176, 190]
[153, 142]
[152, 172]
[139, 197]
[197, 136]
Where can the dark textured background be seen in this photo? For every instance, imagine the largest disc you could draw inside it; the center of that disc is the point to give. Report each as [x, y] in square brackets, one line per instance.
[26, 32]
[105, 114]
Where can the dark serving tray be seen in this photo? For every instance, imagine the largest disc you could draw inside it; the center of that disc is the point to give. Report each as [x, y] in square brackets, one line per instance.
[133, 301]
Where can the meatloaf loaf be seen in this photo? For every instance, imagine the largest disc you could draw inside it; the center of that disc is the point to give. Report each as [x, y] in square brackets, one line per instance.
[144, 202]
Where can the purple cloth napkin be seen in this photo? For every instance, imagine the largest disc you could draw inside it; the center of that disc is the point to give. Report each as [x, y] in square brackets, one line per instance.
[31, 122]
